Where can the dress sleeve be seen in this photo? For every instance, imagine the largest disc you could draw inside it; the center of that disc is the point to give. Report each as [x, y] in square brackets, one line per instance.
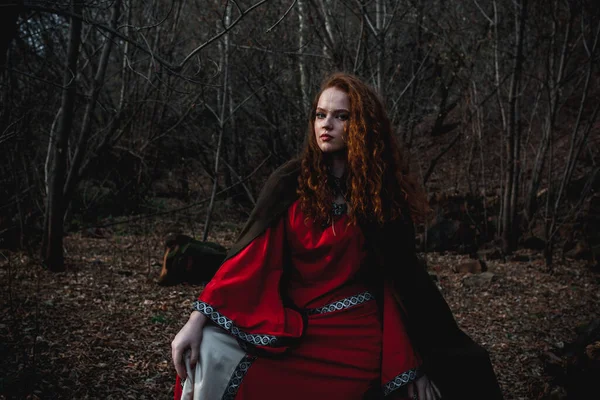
[244, 295]
[401, 364]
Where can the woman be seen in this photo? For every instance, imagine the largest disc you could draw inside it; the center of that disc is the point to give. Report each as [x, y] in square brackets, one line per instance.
[323, 291]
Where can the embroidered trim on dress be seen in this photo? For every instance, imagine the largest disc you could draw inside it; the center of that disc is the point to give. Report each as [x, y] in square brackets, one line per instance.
[342, 304]
[400, 381]
[236, 378]
[226, 323]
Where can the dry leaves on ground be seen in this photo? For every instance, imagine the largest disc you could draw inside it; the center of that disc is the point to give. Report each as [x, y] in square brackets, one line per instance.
[102, 329]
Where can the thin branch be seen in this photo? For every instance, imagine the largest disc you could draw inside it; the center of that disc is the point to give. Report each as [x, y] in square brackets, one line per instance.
[175, 125]
[218, 35]
[360, 35]
[159, 23]
[57, 85]
[237, 6]
[160, 60]
[4, 134]
[7, 137]
[144, 77]
[414, 75]
[491, 21]
[213, 112]
[243, 102]
[437, 158]
[289, 53]
[368, 21]
[178, 209]
[392, 19]
[246, 189]
[412, 79]
[101, 26]
[284, 15]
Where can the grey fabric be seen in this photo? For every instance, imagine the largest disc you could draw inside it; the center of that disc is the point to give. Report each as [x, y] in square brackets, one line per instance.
[220, 355]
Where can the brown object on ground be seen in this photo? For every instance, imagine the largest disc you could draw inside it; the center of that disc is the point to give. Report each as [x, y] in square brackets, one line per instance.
[189, 260]
[471, 266]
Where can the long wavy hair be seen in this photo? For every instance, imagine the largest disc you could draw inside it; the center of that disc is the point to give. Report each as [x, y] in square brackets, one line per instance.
[380, 187]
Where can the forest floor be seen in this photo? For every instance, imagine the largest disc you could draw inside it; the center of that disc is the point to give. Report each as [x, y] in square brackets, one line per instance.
[102, 329]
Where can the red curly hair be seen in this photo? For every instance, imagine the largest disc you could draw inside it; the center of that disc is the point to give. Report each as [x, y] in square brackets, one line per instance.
[380, 187]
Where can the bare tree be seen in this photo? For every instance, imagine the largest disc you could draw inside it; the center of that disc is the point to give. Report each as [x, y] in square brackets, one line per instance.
[580, 132]
[558, 55]
[302, 42]
[509, 228]
[111, 100]
[223, 103]
[52, 248]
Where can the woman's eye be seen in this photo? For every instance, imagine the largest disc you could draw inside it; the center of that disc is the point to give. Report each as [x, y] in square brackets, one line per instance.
[320, 115]
[343, 117]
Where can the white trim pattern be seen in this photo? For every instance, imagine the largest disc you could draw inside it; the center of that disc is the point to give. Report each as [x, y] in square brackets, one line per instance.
[400, 381]
[236, 378]
[227, 324]
[342, 304]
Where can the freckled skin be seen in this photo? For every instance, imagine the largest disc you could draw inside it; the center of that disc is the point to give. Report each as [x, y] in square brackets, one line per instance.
[333, 110]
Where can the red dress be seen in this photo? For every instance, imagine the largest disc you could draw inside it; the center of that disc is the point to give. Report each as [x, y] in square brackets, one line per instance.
[334, 341]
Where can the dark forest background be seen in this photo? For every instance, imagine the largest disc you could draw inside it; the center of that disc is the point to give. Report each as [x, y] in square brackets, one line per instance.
[107, 105]
[121, 111]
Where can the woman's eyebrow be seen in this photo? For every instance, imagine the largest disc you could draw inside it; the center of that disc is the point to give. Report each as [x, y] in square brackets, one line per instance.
[338, 110]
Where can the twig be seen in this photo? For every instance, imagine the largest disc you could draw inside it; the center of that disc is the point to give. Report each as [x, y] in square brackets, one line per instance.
[491, 21]
[139, 28]
[287, 53]
[174, 210]
[437, 158]
[218, 35]
[284, 15]
[237, 176]
[160, 60]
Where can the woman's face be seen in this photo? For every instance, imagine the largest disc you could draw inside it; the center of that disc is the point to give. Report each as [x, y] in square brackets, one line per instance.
[333, 111]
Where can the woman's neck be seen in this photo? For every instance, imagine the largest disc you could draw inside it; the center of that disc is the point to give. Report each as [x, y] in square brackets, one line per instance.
[338, 164]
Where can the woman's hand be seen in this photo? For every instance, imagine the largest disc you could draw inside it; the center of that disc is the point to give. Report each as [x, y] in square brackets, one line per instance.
[423, 389]
[188, 338]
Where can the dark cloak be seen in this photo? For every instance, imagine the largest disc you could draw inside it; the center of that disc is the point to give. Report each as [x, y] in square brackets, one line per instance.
[459, 367]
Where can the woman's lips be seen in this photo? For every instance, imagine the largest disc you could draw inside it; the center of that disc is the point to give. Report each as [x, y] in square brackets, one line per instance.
[326, 138]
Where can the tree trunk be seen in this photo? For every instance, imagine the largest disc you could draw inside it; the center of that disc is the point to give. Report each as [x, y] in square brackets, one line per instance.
[301, 60]
[52, 244]
[330, 45]
[379, 21]
[74, 175]
[555, 79]
[223, 107]
[510, 231]
[409, 120]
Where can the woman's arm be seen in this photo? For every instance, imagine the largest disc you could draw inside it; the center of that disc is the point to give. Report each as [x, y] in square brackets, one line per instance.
[188, 338]
[423, 389]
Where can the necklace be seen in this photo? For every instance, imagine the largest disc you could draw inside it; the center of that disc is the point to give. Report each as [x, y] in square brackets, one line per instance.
[338, 185]
[339, 209]
[339, 188]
